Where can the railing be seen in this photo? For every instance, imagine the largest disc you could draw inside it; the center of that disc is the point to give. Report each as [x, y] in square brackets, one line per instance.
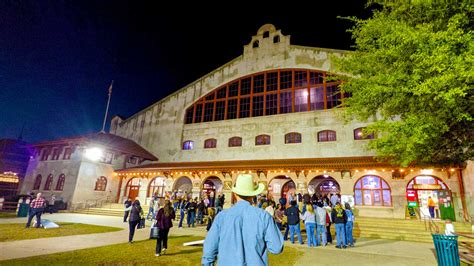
[466, 249]
[429, 223]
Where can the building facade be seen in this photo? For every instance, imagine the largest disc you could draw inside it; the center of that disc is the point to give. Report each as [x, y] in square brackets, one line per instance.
[274, 112]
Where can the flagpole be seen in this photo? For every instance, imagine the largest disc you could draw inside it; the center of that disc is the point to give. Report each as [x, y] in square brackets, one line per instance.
[107, 109]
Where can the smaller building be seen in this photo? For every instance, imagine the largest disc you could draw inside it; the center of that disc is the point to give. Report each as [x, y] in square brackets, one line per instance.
[14, 156]
[80, 170]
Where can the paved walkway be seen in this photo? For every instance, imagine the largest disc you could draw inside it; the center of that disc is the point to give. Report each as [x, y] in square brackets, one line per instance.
[366, 252]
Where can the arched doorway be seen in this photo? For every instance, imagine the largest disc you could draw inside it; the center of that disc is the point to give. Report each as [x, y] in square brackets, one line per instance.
[183, 185]
[212, 185]
[323, 185]
[133, 188]
[280, 187]
[157, 185]
[422, 187]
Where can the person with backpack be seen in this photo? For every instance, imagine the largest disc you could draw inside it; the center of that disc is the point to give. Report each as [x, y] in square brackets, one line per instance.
[309, 219]
[349, 225]
[136, 214]
[293, 215]
[164, 222]
[339, 218]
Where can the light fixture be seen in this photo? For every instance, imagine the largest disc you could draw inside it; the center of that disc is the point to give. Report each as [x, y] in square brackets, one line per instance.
[94, 153]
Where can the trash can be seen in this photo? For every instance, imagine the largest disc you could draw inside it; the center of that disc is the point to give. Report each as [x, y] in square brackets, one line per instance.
[23, 210]
[447, 251]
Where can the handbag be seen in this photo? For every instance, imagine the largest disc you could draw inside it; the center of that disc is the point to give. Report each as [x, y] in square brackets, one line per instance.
[154, 231]
[141, 224]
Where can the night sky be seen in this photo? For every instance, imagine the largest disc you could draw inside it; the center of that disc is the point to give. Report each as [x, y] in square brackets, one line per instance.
[57, 58]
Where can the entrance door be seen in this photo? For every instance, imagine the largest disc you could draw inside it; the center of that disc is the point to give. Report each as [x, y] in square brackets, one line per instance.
[133, 192]
[423, 196]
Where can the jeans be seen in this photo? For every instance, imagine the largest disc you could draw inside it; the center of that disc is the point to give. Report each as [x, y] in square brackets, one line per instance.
[181, 217]
[295, 228]
[191, 217]
[200, 217]
[340, 235]
[162, 238]
[150, 212]
[328, 233]
[432, 212]
[175, 206]
[321, 235]
[34, 212]
[310, 228]
[132, 225]
[279, 225]
[349, 238]
[287, 229]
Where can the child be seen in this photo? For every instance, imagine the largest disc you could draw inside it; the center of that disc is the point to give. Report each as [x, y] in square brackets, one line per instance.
[449, 229]
[210, 217]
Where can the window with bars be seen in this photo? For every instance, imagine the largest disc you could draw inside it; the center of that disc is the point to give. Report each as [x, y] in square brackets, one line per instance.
[272, 81]
[326, 135]
[333, 96]
[221, 93]
[188, 145]
[301, 100]
[292, 137]
[198, 116]
[372, 191]
[286, 80]
[317, 98]
[244, 107]
[301, 79]
[257, 106]
[232, 109]
[234, 89]
[189, 115]
[316, 78]
[359, 134]
[235, 142]
[208, 111]
[60, 183]
[262, 140]
[271, 105]
[285, 102]
[245, 86]
[258, 82]
[210, 143]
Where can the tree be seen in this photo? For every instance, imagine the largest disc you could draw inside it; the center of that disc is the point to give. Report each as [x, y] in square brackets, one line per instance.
[411, 74]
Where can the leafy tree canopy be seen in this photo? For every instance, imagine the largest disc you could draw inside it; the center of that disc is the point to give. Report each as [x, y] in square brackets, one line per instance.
[411, 74]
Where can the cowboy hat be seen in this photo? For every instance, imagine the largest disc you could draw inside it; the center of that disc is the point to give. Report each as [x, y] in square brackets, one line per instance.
[245, 186]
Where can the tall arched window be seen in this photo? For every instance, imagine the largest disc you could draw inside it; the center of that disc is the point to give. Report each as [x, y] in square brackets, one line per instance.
[60, 183]
[210, 143]
[372, 191]
[101, 184]
[326, 135]
[235, 142]
[359, 134]
[188, 145]
[262, 140]
[37, 182]
[49, 181]
[293, 137]
[157, 185]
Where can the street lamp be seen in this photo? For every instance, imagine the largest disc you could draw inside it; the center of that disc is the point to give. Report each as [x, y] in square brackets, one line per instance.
[94, 153]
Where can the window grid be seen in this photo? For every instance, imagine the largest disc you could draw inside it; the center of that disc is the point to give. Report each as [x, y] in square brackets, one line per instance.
[60, 183]
[295, 90]
[235, 142]
[210, 143]
[262, 140]
[326, 135]
[49, 181]
[372, 191]
[292, 138]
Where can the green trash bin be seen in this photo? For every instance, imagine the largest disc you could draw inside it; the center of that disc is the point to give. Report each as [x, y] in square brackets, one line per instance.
[23, 210]
[447, 251]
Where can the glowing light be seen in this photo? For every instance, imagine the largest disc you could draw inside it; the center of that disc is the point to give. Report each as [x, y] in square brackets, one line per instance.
[402, 170]
[305, 93]
[427, 171]
[357, 171]
[452, 169]
[94, 153]
[325, 176]
[411, 170]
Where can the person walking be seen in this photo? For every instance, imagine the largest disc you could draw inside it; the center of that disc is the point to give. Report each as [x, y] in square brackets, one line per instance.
[349, 225]
[36, 209]
[242, 234]
[321, 223]
[309, 219]
[293, 215]
[164, 222]
[431, 207]
[339, 218]
[127, 205]
[51, 204]
[136, 214]
[151, 210]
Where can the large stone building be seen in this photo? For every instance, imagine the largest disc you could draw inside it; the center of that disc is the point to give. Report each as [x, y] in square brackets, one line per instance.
[272, 112]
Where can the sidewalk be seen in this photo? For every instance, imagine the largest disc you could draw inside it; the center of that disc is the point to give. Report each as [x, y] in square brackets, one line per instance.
[41, 246]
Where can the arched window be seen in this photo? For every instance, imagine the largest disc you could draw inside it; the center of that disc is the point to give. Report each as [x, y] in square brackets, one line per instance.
[188, 145]
[235, 142]
[210, 143]
[262, 140]
[60, 183]
[276, 39]
[372, 191]
[157, 185]
[358, 134]
[37, 182]
[100, 184]
[266, 34]
[426, 182]
[49, 181]
[326, 135]
[293, 137]
[255, 44]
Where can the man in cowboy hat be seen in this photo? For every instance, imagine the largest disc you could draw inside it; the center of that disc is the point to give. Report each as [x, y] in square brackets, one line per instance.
[242, 234]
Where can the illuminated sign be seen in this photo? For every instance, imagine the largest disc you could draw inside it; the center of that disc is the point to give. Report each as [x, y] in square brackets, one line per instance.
[426, 186]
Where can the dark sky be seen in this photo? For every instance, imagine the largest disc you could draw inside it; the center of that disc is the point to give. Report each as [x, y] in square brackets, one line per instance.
[57, 58]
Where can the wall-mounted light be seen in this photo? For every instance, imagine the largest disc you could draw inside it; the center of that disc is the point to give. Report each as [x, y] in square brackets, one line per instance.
[94, 153]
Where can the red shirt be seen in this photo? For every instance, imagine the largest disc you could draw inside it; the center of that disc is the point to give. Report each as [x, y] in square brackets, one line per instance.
[37, 203]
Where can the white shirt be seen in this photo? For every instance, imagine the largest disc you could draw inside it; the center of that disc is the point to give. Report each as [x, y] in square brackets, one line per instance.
[270, 210]
[449, 230]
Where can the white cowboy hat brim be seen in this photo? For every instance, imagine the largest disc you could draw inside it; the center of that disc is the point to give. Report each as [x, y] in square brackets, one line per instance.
[259, 190]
